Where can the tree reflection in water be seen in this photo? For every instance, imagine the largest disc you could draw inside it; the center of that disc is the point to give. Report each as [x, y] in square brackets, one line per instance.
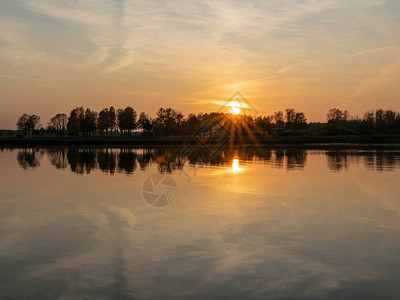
[380, 160]
[127, 160]
[29, 158]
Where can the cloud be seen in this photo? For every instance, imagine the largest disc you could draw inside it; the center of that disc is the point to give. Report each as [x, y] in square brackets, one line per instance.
[94, 19]
[381, 89]
[193, 49]
[370, 51]
[120, 63]
[237, 85]
[230, 104]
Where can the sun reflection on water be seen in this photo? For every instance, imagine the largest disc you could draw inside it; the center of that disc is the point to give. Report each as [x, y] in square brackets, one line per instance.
[235, 165]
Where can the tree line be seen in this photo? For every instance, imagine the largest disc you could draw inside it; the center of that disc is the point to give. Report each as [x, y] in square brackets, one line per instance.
[172, 122]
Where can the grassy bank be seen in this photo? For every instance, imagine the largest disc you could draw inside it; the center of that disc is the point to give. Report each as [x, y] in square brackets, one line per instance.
[393, 140]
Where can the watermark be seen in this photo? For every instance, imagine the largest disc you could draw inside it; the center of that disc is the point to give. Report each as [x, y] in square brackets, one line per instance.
[159, 190]
[214, 135]
[206, 144]
[237, 103]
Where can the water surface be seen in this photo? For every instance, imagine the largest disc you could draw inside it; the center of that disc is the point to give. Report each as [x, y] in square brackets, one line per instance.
[254, 224]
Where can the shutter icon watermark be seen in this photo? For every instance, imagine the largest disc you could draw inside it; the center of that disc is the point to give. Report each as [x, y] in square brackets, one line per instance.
[159, 190]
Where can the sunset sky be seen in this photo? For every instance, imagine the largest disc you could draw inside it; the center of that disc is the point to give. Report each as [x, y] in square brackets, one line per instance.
[311, 55]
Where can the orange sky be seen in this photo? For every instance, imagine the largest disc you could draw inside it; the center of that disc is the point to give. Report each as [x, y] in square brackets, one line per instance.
[309, 55]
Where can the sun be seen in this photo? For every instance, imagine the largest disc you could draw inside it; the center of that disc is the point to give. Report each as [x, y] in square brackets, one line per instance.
[235, 110]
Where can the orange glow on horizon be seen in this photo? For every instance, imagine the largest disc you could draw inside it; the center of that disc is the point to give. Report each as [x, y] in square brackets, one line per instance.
[272, 65]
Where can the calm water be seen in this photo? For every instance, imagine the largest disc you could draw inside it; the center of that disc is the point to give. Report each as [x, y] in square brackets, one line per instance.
[246, 224]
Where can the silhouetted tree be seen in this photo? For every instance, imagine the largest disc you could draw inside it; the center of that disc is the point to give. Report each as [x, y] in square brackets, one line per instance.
[106, 120]
[193, 123]
[300, 121]
[290, 117]
[386, 121]
[145, 123]
[171, 122]
[295, 120]
[26, 124]
[168, 120]
[335, 115]
[337, 123]
[88, 124]
[279, 118]
[58, 124]
[264, 124]
[179, 117]
[74, 121]
[126, 120]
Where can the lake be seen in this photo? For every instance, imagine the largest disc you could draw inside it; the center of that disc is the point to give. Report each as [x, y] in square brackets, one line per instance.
[84, 223]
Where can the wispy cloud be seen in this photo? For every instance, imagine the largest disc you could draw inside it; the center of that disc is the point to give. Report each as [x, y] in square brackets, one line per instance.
[370, 51]
[230, 104]
[120, 63]
[98, 20]
[241, 84]
[193, 51]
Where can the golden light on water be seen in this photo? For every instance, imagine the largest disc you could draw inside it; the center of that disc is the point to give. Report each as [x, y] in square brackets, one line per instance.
[235, 165]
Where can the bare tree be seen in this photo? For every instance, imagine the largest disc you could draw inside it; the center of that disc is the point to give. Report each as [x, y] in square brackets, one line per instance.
[28, 123]
[278, 118]
[58, 124]
[106, 120]
[145, 123]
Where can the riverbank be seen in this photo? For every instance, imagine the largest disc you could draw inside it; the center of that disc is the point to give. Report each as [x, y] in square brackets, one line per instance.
[391, 141]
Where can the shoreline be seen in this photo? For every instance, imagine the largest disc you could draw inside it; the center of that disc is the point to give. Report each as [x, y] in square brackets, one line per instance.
[308, 142]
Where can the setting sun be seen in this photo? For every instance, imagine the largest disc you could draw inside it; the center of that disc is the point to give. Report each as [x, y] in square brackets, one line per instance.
[235, 110]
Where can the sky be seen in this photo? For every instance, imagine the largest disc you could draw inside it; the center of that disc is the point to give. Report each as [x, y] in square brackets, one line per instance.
[310, 55]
